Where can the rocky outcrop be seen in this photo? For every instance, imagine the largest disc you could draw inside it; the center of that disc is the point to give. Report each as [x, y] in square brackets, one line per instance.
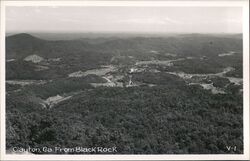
[34, 58]
[77, 74]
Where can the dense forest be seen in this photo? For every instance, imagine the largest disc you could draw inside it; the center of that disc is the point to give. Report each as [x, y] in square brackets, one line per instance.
[143, 95]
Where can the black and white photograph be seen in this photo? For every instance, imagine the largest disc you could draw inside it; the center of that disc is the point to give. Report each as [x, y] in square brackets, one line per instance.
[130, 80]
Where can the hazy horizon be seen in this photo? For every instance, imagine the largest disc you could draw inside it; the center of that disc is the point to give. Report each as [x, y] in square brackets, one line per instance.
[139, 20]
[75, 35]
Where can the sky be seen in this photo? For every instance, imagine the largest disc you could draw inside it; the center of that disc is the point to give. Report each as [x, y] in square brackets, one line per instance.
[124, 19]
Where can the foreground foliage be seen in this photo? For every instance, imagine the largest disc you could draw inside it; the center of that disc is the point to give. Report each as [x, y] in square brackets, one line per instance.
[163, 119]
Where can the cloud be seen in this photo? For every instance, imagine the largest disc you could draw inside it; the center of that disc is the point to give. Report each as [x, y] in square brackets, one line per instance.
[142, 21]
[150, 21]
[167, 19]
[70, 20]
[223, 21]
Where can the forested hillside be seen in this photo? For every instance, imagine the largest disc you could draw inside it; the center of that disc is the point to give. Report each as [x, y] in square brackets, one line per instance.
[180, 94]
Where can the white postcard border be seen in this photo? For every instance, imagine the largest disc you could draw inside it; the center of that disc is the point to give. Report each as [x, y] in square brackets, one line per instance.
[240, 3]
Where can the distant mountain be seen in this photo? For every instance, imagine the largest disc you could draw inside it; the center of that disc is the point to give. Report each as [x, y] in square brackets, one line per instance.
[195, 45]
[23, 36]
[22, 45]
[23, 50]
